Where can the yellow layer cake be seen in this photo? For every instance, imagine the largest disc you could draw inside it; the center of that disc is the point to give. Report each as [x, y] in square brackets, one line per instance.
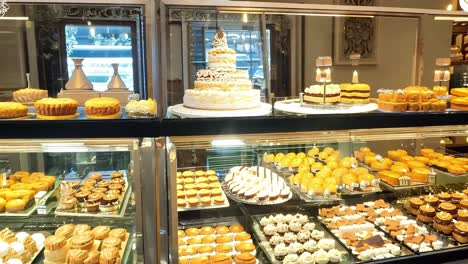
[358, 93]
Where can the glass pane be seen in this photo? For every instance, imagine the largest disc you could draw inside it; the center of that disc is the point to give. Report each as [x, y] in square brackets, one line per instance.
[100, 46]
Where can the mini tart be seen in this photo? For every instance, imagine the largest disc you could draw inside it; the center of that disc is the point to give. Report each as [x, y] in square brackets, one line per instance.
[456, 198]
[116, 174]
[205, 200]
[81, 228]
[103, 184]
[426, 213]
[96, 196]
[15, 205]
[181, 202]
[101, 232]
[54, 242]
[193, 201]
[200, 173]
[414, 204]
[88, 182]
[188, 174]
[443, 222]
[460, 232]
[194, 241]
[102, 108]
[245, 258]
[92, 206]
[223, 248]
[95, 176]
[83, 241]
[56, 108]
[65, 230]
[218, 200]
[431, 200]
[82, 196]
[12, 110]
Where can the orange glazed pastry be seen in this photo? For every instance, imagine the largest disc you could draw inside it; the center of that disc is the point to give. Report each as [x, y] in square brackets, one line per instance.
[102, 108]
[12, 110]
[56, 108]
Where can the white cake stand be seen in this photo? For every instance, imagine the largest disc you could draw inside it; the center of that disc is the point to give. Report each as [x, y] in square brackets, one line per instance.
[295, 106]
[182, 111]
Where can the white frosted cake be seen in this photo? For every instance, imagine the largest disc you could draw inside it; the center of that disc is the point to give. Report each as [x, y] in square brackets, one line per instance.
[315, 94]
[222, 86]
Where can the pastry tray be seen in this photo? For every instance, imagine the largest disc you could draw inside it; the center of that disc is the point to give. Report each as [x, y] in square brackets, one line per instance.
[405, 251]
[117, 213]
[32, 205]
[203, 207]
[206, 207]
[447, 239]
[449, 153]
[223, 221]
[255, 201]
[388, 186]
[265, 245]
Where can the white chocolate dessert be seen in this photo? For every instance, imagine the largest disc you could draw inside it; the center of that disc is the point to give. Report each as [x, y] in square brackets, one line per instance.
[222, 86]
[316, 93]
[256, 184]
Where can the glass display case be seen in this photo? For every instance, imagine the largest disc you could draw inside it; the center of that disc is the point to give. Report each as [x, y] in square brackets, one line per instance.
[91, 200]
[330, 196]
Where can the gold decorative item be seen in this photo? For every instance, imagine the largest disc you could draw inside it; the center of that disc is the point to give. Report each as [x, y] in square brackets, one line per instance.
[116, 82]
[78, 80]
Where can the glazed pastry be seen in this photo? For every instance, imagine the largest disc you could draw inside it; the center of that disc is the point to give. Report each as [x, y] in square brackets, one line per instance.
[116, 174]
[207, 230]
[81, 228]
[59, 108]
[456, 198]
[221, 259]
[102, 108]
[83, 240]
[101, 232]
[15, 205]
[444, 197]
[109, 256]
[431, 200]
[111, 242]
[93, 258]
[95, 176]
[245, 247]
[65, 230]
[120, 233]
[426, 213]
[443, 222]
[462, 215]
[56, 248]
[76, 256]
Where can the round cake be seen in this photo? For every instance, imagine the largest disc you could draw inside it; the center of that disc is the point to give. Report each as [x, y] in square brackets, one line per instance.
[141, 108]
[56, 108]
[12, 110]
[357, 93]
[316, 93]
[102, 108]
[221, 86]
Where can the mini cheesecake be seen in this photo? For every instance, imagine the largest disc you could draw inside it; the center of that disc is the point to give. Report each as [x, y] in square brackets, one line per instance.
[414, 204]
[460, 232]
[449, 208]
[443, 222]
[426, 213]
[432, 200]
[444, 197]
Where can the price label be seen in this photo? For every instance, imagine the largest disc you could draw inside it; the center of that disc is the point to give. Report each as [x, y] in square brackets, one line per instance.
[379, 158]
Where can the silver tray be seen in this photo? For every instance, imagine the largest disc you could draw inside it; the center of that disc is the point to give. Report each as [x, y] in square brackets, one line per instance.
[32, 205]
[120, 212]
[255, 201]
[265, 245]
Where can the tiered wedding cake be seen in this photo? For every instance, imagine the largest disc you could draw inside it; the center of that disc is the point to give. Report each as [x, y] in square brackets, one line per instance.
[222, 86]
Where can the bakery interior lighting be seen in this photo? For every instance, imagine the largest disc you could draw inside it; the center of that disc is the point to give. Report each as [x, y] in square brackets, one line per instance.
[14, 18]
[321, 15]
[451, 18]
[245, 18]
[450, 7]
[223, 143]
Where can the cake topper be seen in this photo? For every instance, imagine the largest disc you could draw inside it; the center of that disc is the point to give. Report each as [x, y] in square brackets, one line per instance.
[219, 39]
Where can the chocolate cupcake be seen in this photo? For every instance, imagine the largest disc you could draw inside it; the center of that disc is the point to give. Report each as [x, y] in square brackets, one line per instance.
[431, 200]
[444, 197]
[443, 222]
[449, 208]
[414, 204]
[456, 198]
[426, 213]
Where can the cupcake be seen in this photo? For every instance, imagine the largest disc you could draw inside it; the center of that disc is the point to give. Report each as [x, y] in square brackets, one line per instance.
[276, 240]
[295, 248]
[290, 238]
[431, 200]
[311, 246]
[303, 236]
